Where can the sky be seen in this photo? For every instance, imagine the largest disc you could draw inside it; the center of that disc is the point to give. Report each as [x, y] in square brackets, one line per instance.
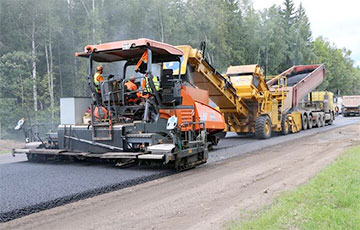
[337, 21]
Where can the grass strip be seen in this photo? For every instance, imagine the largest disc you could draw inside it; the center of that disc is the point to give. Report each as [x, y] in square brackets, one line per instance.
[5, 151]
[331, 200]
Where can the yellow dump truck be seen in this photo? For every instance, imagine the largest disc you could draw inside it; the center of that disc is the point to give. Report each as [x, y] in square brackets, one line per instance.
[242, 95]
[320, 106]
[251, 105]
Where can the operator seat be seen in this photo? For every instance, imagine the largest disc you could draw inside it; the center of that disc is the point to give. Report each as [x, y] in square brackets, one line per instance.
[166, 75]
[171, 88]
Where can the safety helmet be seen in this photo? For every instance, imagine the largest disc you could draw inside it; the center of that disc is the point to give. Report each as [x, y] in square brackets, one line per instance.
[132, 79]
[99, 68]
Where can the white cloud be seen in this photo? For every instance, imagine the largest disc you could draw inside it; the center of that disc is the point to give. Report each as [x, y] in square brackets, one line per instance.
[357, 64]
[338, 21]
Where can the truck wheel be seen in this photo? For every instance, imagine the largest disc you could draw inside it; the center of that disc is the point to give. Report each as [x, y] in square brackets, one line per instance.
[331, 119]
[304, 122]
[310, 122]
[263, 127]
[285, 126]
[323, 121]
[318, 122]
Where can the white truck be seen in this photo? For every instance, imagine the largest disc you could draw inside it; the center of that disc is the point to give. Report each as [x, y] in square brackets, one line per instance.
[351, 105]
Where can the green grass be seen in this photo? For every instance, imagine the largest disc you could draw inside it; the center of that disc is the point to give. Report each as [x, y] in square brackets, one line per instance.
[331, 200]
[5, 151]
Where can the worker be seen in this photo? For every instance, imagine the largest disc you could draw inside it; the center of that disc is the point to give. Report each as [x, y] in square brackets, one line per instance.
[146, 86]
[337, 110]
[141, 66]
[98, 78]
[131, 86]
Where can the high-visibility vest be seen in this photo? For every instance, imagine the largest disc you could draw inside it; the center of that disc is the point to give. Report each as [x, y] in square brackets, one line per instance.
[97, 79]
[146, 84]
[132, 87]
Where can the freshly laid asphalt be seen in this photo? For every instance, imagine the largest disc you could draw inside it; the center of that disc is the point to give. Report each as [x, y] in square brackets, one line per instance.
[30, 187]
[27, 187]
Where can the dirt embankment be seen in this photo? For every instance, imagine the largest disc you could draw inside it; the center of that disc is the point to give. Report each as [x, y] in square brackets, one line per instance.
[204, 198]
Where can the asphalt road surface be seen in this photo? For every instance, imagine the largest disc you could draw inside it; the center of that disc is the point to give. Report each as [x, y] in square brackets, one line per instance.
[30, 187]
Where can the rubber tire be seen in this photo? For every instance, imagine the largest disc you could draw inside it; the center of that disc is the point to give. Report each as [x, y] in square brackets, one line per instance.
[260, 132]
[304, 122]
[323, 122]
[318, 122]
[310, 123]
[284, 120]
[330, 122]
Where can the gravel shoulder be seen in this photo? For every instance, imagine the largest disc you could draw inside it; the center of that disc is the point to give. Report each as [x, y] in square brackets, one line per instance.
[7, 145]
[207, 197]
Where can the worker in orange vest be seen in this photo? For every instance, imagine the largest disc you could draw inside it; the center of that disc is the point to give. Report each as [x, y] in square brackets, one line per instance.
[131, 86]
[98, 78]
[337, 110]
[141, 67]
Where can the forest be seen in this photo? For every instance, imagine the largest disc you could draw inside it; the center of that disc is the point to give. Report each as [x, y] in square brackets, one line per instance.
[38, 39]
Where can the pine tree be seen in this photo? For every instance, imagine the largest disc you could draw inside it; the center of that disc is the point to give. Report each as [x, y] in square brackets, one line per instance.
[303, 37]
[236, 33]
[273, 45]
[289, 18]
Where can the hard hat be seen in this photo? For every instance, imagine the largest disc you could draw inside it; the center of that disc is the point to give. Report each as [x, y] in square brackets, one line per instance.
[99, 68]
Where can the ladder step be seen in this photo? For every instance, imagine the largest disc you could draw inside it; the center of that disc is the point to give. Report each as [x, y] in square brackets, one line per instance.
[101, 125]
[101, 132]
[195, 142]
[140, 135]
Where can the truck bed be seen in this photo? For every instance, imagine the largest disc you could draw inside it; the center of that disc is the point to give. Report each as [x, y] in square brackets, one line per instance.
[301, 79]
[351, 101]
